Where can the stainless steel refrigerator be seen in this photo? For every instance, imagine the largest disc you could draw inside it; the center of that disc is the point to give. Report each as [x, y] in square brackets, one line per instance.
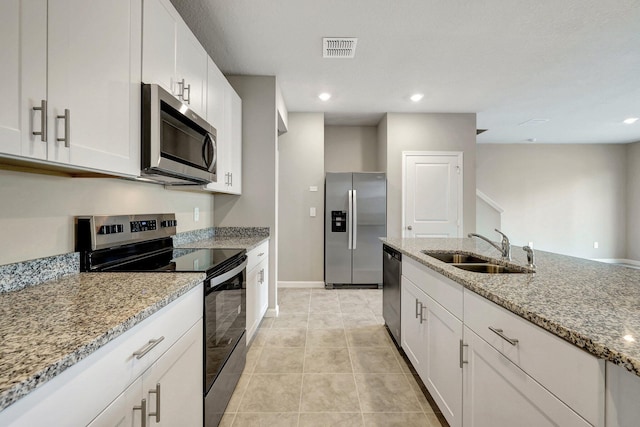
[355, 217]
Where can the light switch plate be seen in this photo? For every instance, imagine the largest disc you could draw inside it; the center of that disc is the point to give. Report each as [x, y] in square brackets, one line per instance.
[312, 211]
[313, 188]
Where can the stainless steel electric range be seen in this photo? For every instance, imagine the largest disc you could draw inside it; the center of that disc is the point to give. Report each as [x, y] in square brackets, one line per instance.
[143, 243]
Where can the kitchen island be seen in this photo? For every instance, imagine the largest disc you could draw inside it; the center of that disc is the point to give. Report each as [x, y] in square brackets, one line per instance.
[553, 346]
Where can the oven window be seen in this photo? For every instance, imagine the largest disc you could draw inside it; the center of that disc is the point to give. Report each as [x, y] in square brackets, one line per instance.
[225, 322]
[181, 141]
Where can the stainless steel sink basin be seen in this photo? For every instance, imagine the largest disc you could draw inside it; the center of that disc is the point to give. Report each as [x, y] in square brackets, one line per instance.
[488, 268]
[455, 258]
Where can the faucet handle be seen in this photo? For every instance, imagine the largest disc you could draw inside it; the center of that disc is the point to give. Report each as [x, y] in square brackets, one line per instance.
[530, 256]
[504, 236]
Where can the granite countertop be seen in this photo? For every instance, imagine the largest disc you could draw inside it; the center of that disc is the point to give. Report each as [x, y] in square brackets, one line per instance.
[227, 242]
[593, 305]
[47, 328]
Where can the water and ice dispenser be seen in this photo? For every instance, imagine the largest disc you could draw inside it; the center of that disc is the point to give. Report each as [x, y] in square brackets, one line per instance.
[338, 221]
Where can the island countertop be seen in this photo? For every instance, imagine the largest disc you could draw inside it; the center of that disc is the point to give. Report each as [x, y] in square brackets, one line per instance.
[593, 305]
[47, 328]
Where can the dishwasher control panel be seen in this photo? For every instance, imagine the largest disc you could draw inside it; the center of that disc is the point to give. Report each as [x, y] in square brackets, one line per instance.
[338, 222]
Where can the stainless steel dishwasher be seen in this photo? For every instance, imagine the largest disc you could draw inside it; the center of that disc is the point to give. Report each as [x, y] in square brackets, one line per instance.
[391, 272]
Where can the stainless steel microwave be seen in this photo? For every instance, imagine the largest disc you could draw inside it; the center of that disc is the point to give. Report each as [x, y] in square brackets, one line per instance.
[178, 146]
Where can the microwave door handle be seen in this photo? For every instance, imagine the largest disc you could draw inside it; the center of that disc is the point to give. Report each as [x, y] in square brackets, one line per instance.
[209, 144]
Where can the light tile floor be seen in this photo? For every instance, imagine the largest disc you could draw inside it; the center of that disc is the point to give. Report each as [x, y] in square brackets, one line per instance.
[327, 360]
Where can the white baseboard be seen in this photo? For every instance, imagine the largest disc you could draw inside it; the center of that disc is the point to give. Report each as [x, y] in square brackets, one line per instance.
[272, 312]
[306, 285]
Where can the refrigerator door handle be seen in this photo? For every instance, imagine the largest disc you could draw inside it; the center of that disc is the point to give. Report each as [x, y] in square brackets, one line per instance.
[354, 224]
[350, 220]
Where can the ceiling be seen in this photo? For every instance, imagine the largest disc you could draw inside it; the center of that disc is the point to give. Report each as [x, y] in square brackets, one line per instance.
[574, 63]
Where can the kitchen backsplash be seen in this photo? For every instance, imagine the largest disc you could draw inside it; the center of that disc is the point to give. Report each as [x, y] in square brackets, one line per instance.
[14, 277]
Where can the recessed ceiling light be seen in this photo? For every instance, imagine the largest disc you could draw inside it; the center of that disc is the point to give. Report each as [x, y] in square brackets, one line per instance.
[630, 120]
[324, 96]
[417, 97]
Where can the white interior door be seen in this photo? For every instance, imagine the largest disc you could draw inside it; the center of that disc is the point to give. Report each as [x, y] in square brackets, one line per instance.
[432, 194]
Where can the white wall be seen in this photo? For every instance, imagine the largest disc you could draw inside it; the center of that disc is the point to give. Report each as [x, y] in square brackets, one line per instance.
[37, 210]
[351, 149]
[487, 218]
[258, 205]
[428, 132]
[301, 237]
[633, 201]
[562, 197]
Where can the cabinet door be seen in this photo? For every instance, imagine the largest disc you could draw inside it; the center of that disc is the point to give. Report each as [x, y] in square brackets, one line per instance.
[252, 302]
[234, 125]
[121, 412]
[216, 84]
[413, 330]
[23, 54]
[496, 393]
[94, 73]
[263, 290]
[441, 372]
[173, 384]
[159, 45]
[191, 66]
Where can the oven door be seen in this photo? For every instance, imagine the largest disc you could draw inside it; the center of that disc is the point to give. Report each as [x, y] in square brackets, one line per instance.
[224, 339]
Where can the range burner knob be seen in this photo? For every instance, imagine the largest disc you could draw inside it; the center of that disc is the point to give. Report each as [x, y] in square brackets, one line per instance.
[169, 223]
[104, 229]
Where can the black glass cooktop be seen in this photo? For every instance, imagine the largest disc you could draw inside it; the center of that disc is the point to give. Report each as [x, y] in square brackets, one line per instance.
[179, 260]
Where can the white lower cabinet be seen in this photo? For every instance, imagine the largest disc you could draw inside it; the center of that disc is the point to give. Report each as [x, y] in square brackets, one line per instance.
[486, 366]
[623, 390]
[257, 287]
[431, 338]
[104, 387]
[167, 393]
[499, 394]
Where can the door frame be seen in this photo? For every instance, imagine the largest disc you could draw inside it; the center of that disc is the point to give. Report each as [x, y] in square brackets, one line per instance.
[460, 156]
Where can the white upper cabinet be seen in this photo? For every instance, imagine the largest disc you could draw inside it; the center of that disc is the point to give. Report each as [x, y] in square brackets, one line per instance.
[224, 112]
[94, 84]
[23, 53]
[172, 57]
[81, 62]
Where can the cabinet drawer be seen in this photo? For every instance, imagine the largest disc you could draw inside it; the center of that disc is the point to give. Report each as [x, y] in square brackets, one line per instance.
[444, 291]
[79, 393]
[257, 254]
[573, 375]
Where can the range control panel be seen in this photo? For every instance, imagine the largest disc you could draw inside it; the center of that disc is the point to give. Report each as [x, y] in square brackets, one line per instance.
[144, 225]
[106, 231]
[338, 222]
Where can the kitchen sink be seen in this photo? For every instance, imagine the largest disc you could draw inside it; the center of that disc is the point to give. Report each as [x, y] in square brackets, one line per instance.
[488, 268]
[455, 257]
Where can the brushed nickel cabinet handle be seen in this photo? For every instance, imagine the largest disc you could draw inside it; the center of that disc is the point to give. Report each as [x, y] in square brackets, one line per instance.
[417, 308]
[147, 348]
[462, 346]
[43, 120]
[143, 412]
[180, 93]
[157, 412]
[67, 128]
[501, 334]
[186, 88]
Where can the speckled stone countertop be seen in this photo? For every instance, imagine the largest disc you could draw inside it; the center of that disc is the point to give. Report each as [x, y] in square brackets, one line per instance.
[47, 328]
[228, 242]
[593, 305]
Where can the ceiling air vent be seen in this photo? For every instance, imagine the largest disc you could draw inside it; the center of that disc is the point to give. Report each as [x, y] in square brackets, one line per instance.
[339, 47]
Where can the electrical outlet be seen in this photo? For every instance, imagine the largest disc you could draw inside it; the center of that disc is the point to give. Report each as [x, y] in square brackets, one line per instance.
[313, 188]
[196, 214]
[312, 212]
[595, 245]
[531, 245]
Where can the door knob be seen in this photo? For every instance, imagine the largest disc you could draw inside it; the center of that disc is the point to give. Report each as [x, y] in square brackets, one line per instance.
[409, 228]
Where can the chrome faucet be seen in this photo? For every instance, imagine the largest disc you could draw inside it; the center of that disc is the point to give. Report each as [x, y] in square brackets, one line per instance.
[504, 247]
[530, 256]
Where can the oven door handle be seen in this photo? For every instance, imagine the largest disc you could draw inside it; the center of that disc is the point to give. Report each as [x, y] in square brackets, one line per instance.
[217, 280]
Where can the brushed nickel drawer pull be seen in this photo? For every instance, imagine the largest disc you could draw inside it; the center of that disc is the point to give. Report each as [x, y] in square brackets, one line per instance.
[462, 346]
[417, 308]
[501, 334]
[147, 348]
